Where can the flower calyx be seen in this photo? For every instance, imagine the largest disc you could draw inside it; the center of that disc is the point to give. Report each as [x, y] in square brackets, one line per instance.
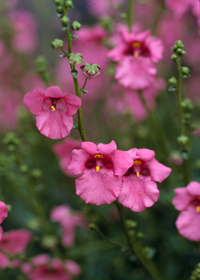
[90, 71]
[75, 58]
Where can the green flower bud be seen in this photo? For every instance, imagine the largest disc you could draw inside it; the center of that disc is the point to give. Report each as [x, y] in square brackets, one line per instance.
[92, 226]
[174, 57]
[185, 70]
[68, 4]
[76, 25]
[123, 16]
[64, 20]
[58, 2]
[36, 173]
[59, 10]
[179, 44]
[75, 58]
[24, 168]
[173, 81]
[187, 104]
[57, 44]
[182, 139]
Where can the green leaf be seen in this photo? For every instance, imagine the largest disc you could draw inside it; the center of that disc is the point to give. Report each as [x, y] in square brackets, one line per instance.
[172, 88]
[64, 55]
[74, 36]
[74, 73]
[83, 91]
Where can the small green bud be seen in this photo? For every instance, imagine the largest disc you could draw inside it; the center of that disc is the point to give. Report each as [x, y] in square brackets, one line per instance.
[41, 63]
[33, 224]
[123, 16]
[182, 139]
[185, 70]
[49, 241]
[64, 20]
[173, 81]
[174, 57]
[57, 44]
[59, 10]
[58, 2]
[76, 25]
[68, 4]
[24, 168]
[131, 224]
[75, 58]
[179, 44]
[36, 173]
[187, 104]
[9, 207]
[92, 226]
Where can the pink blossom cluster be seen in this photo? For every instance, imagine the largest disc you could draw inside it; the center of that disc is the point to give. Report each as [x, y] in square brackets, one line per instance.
[68, 220]
[108, 174]
[187, 200]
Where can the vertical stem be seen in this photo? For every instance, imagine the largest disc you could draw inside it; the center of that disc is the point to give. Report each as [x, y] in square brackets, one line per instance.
[129, 15]
[136, 247]
[180, 110]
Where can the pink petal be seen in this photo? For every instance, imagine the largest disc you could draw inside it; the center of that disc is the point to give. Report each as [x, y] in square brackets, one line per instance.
[4, 261]
[143, 154]
[73, 103]
[68, 235]
[156, 49]
[121, 161]
[98, 188]
[3, 211]
[73, 267]
[78, 160]
[188, 224]
[194, 189]
[34, 100]
[158, 171]
[90, 148]
[137, 194]
[182, 199]
[53, 92]
[106, 149]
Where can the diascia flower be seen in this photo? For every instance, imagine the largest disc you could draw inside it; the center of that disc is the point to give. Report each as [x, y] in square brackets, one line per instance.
[187, 200]
[139, 190]
[136, 52]
[53, 111]
[3, 214]
[100, 166]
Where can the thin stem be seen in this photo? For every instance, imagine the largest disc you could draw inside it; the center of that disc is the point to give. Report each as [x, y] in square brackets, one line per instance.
[85, 83]
[180, 109]
[129, 15]
[136, 247]
[77, 91]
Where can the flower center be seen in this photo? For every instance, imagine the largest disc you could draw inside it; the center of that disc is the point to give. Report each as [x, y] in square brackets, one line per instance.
[98, 156]
[198, 209]
[136, 164]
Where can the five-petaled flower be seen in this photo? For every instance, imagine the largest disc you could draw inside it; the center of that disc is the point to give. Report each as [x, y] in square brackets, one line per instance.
[136, 53]
[139, 190]
[53, 111]
[100, 166]
[187, 200]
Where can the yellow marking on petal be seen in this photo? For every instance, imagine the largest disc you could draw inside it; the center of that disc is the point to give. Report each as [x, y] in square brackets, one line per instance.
[198, 197]
[140, 193]
[137, 174]
[136, 45]
[98, 156]
[137, 162]
[94, 191]
[97, 168]
[198, 209]
[136, 54]
[53, 108]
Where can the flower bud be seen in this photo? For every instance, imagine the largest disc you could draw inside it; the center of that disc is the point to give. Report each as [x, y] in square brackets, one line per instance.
[64, 20]
[123, 16]
[59, 10]
[76, 25]
[185, 70]
[179, 44]
[173, 81]
[90, 71]
[187, 104]
[180, 52]
[174, 57]
[58, 2]
[57, 44]
[68, 4]
[182, 139]
[75, 58]
[175, 158]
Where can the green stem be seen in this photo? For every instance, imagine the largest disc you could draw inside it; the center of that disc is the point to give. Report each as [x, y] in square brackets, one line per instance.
[77, 91]
[180, 109]
[85, 83]
[129, 15]
[136, 247]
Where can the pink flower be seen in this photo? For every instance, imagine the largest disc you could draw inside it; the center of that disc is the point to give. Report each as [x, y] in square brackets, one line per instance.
[100, 166]
[53, 111]
[187, 200]
[13, 242]
[136, 52]
[42, 268]
[68, 220]
[63, 151]
[179, 8]
[3, 214]
[139, 190]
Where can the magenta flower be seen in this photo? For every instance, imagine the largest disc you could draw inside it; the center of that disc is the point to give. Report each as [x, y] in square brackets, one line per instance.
[139, 190]
[136, 53]
[3, 214]
[187, 200]
[63, 151]
[53, 111]
[68, 220]
[100, 166]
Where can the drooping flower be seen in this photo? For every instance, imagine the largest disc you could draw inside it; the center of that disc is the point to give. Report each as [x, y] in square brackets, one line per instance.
[100, 166]
[42, 267]
[13, 242]
[53, 111]
[3, 214]
[136, 53]
[187, 200]
[139, 189]
[63, 151]
[68, 220]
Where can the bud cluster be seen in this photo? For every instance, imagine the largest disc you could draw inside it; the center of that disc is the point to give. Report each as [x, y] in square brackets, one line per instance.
[90, 70]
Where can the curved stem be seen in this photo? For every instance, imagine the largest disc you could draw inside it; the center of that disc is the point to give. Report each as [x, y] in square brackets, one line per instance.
[136, 247]
[84, 83]
[129, 15]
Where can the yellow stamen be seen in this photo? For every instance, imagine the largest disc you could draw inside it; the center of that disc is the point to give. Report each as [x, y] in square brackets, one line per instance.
[98, 156]
[137, 174]
[53, 108]
[136, 45]
[198, 197]
[198, 209]
[136, 54]
[137, 162]
[97, 168]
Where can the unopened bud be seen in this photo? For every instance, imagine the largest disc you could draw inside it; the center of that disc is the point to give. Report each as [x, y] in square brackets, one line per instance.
[182, 139]
[185, 70]
[90, 71]
[173, 81]
[76, 25]
[179, 44]
[174, 57]
[92, 226]
[57, 44]
[75, 58]
[64, 20]
[68, 4]
[58, 2]
[59, 10]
